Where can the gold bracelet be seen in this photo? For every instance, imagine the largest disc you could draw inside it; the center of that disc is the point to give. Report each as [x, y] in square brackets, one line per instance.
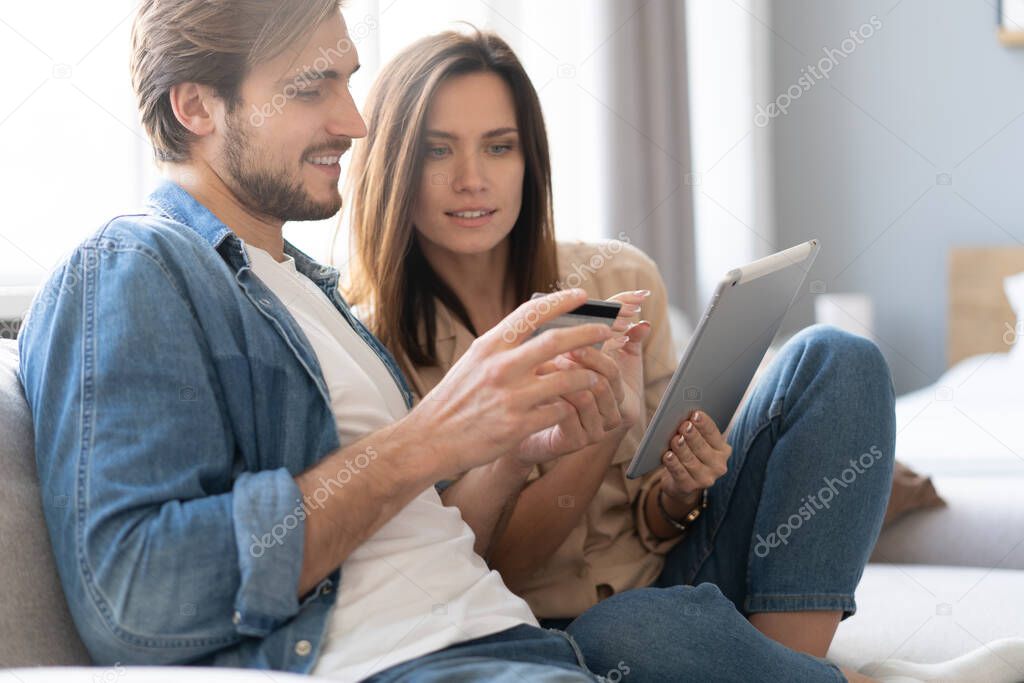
[690, 517]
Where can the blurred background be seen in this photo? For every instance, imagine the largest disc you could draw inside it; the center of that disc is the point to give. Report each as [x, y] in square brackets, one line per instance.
[707, 133]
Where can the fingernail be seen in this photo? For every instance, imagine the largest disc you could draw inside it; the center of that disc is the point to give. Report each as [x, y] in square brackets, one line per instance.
[622, 340]
[642, 292]
[669, 457]
[688, 428]
[696, 416]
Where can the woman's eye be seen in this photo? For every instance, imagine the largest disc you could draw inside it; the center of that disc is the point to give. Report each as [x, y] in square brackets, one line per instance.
[308, 94]
[499, 149]
[437, 152]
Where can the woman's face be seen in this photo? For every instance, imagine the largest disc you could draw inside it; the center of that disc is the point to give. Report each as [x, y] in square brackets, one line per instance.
[471, 189]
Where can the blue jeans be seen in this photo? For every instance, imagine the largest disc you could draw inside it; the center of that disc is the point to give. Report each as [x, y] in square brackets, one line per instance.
[790, 527]
[523, 653]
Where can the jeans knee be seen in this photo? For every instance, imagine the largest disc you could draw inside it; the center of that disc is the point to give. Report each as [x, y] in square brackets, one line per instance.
[848, 353]
[706, 614]
[705, 594]
[639, 629]
[704, 603]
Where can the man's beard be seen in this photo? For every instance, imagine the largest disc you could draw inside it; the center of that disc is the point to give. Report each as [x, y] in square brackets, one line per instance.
[269, 191]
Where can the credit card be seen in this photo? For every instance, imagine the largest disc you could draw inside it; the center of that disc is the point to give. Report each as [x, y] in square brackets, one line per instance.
[593, 311]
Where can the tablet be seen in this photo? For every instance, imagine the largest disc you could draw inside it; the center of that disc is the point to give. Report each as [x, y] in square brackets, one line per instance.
[730, 342]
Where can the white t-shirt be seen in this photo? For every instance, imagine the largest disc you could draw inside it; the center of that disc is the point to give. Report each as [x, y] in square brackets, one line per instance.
[416, 586]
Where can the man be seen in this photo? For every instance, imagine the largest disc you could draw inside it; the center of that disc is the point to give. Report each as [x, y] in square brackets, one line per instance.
[246, 483]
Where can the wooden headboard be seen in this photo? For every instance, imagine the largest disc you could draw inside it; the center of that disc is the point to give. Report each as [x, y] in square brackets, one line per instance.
[978, 309]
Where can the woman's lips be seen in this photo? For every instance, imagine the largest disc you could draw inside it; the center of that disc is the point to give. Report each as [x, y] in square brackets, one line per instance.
[472, 218]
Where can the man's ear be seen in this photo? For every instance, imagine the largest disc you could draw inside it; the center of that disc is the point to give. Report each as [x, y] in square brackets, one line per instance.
[193, 106]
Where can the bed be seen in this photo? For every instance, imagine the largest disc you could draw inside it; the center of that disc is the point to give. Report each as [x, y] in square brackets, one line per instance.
[944, 581]
[969, 421]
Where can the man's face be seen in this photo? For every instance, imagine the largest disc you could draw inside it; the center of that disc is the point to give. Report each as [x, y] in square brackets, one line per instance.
[281, 144]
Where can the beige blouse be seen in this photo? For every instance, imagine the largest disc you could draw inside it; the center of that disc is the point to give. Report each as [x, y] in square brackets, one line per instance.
[611, 550]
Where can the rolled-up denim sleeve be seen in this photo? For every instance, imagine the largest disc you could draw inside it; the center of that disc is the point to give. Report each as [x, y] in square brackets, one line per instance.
[169, 545]
[268, 520]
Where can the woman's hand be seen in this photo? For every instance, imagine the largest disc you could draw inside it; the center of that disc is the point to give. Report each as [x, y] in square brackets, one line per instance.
[629, 356]
[698, 456]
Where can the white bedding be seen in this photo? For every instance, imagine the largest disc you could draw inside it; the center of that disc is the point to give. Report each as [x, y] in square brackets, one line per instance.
[970, 422]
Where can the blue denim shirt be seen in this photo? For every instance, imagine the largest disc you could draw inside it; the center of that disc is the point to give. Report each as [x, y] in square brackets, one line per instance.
[174, 400]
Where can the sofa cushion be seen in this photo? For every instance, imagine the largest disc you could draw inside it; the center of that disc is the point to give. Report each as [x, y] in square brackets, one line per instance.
[35, 625]
[981, 525]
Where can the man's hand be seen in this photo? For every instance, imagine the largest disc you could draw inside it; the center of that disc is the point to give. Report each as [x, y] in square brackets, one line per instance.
[505, 387]
[599, 415]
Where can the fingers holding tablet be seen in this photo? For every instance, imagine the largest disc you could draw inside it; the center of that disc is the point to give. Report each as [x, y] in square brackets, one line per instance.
[679, 482]
[698, 449]
[705, 424]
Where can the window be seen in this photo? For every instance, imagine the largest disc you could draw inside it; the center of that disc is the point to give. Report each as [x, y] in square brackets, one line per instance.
[74, 153]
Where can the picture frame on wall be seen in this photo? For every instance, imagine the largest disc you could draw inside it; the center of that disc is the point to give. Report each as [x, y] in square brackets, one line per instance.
[1010, 15]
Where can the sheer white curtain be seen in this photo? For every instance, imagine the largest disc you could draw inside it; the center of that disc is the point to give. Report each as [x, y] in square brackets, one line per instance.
[732, 189]
[71, 150]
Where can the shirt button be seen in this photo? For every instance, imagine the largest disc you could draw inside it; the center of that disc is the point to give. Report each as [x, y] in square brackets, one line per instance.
[303, 648]
[236, 618]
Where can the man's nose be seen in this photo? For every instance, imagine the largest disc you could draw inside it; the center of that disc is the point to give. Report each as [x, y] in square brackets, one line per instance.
[346, 121]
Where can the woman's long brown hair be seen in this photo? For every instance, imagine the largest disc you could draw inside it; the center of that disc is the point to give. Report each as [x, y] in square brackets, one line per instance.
[390, 279]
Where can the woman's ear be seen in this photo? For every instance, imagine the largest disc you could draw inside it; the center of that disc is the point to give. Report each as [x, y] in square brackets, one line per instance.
[192, 106]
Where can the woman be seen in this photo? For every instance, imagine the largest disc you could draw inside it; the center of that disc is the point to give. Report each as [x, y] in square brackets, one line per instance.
[452, 228]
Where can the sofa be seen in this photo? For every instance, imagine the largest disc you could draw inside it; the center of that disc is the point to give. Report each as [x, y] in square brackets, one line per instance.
[942, 581]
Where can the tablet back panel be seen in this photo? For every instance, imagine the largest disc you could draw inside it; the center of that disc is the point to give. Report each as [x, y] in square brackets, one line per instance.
[731, 340]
